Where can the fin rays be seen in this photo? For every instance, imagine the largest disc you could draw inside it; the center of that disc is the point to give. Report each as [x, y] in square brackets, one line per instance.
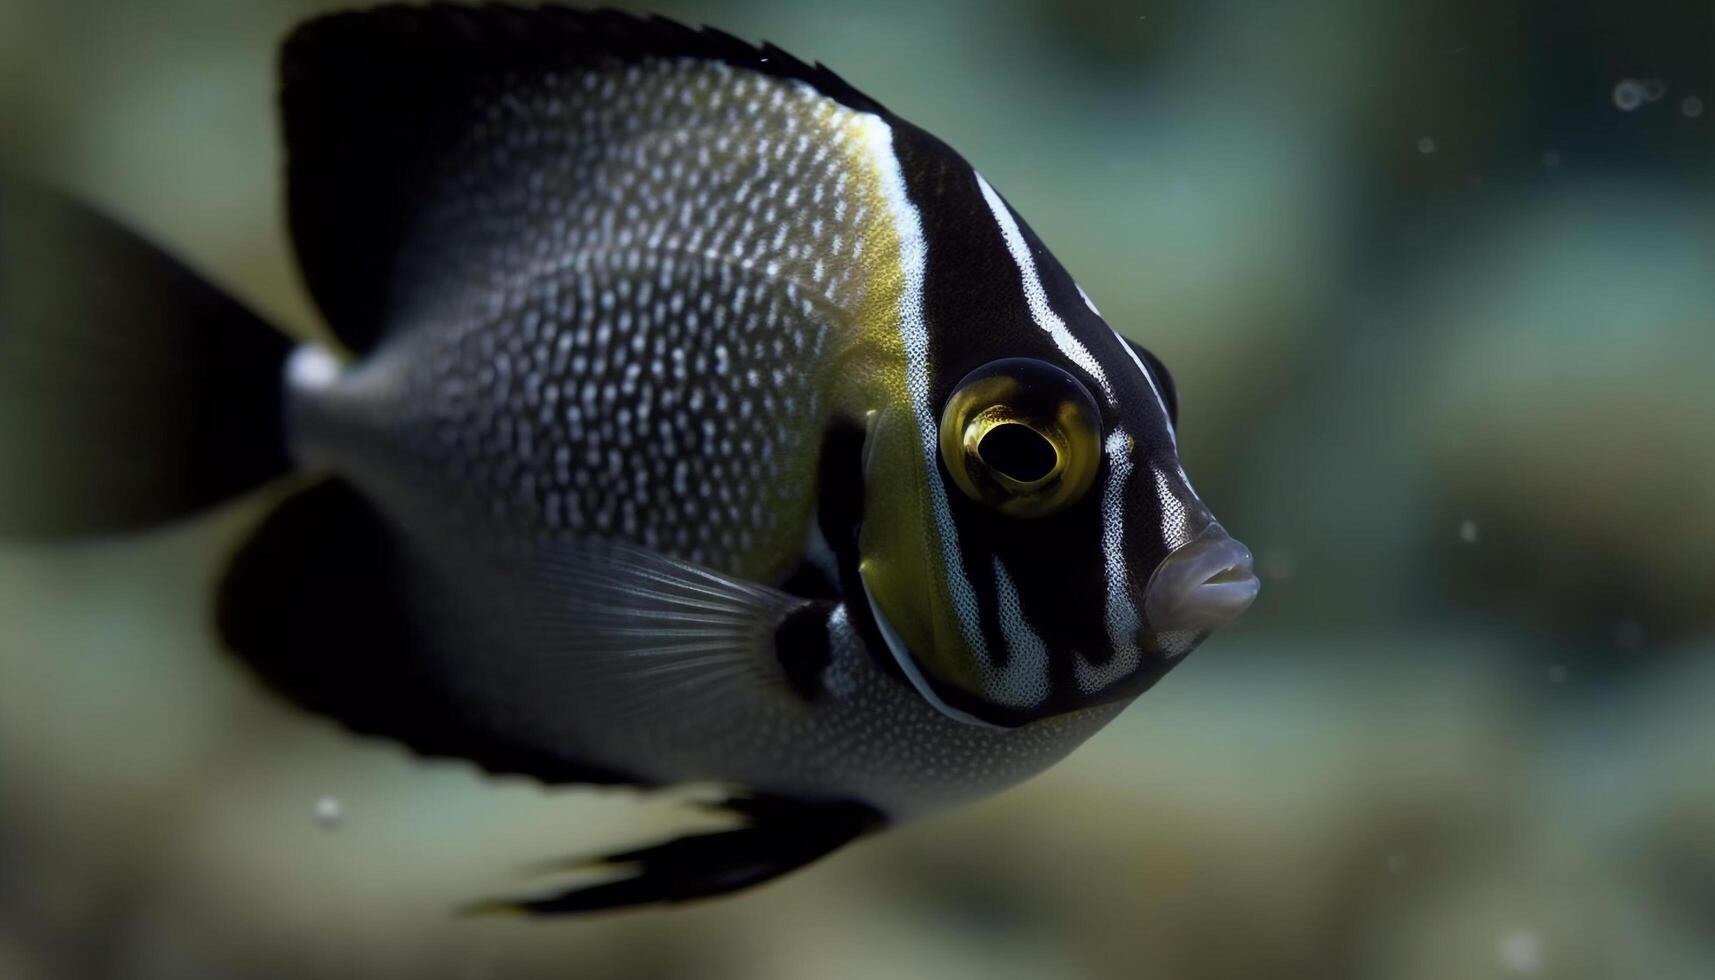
[775, 835]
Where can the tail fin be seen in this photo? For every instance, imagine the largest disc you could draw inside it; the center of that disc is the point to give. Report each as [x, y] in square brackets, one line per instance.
[131, 391]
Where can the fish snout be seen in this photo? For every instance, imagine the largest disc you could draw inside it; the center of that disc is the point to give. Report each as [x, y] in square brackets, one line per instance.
[1203, 585]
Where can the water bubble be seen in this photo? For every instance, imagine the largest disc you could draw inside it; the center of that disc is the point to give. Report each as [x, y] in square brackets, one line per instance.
[1468, 532]
[1691, 106]
[1628, 94]
[1654, 89]
[1521, 951]
[1426, 144]
[328, 812]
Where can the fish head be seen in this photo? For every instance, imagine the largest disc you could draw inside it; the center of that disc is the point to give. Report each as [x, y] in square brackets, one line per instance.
[1053, 555]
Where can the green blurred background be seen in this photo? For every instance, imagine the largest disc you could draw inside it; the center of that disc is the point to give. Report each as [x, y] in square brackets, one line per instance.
[1438, 284]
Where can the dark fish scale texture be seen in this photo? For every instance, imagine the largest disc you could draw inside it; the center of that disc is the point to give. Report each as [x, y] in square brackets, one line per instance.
[621, 310]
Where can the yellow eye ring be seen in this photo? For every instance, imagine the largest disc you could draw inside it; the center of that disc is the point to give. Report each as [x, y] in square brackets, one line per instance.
[1022, 437]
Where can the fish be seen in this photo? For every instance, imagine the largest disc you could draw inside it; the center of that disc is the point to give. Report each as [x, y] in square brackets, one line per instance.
[686, 417]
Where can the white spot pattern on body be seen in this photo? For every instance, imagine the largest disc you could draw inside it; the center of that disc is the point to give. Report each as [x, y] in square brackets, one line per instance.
[633, 340]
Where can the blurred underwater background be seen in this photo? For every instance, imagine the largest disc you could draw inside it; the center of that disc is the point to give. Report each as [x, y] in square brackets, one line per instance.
[1437, 281]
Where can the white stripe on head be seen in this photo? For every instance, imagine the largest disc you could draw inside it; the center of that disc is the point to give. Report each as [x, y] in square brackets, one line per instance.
[1149, 379]
[1123, 620]
[1036, 297]
[902, 657]
[1175, 512]
[913, 261]
[1087, 300]
[1024, 682]
[1175, 516]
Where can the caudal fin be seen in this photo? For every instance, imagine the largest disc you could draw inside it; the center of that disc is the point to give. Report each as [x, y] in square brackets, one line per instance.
[132, 392]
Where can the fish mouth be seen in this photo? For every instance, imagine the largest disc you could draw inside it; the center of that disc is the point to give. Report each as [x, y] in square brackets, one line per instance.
[1203, 585]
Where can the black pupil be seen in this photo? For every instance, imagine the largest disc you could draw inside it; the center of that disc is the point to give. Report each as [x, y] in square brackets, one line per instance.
[1017, 451]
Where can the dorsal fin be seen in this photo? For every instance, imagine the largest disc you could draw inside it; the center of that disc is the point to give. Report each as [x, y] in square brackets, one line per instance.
[373, 100]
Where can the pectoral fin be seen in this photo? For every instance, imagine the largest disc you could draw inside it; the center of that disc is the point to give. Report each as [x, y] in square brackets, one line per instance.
[535, 661]
[492, 659]
[321, 604]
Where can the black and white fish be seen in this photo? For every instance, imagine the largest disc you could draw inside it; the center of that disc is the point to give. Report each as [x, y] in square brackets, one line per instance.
[695, 419]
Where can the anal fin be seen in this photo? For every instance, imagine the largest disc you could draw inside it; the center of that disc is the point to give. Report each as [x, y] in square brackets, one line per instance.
[777, 835]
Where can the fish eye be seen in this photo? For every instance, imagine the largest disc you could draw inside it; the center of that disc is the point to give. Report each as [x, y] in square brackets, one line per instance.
[1022, 437]
[1018, 452]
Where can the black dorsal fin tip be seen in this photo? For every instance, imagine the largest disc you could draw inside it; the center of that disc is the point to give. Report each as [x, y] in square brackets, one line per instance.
[347, 42]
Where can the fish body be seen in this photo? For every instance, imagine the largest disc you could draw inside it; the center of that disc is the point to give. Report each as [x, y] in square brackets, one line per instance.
[698, 419]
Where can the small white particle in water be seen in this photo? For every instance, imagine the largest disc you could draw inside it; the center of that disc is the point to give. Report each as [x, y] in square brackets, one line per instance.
[1551, 158]
[328, 812]
[1397, 862]
[1628, 94]
[1468, 532]
[1691, 106]
[1277, 564]
[1521, 951]
[1425, 145]
[1557, 674]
